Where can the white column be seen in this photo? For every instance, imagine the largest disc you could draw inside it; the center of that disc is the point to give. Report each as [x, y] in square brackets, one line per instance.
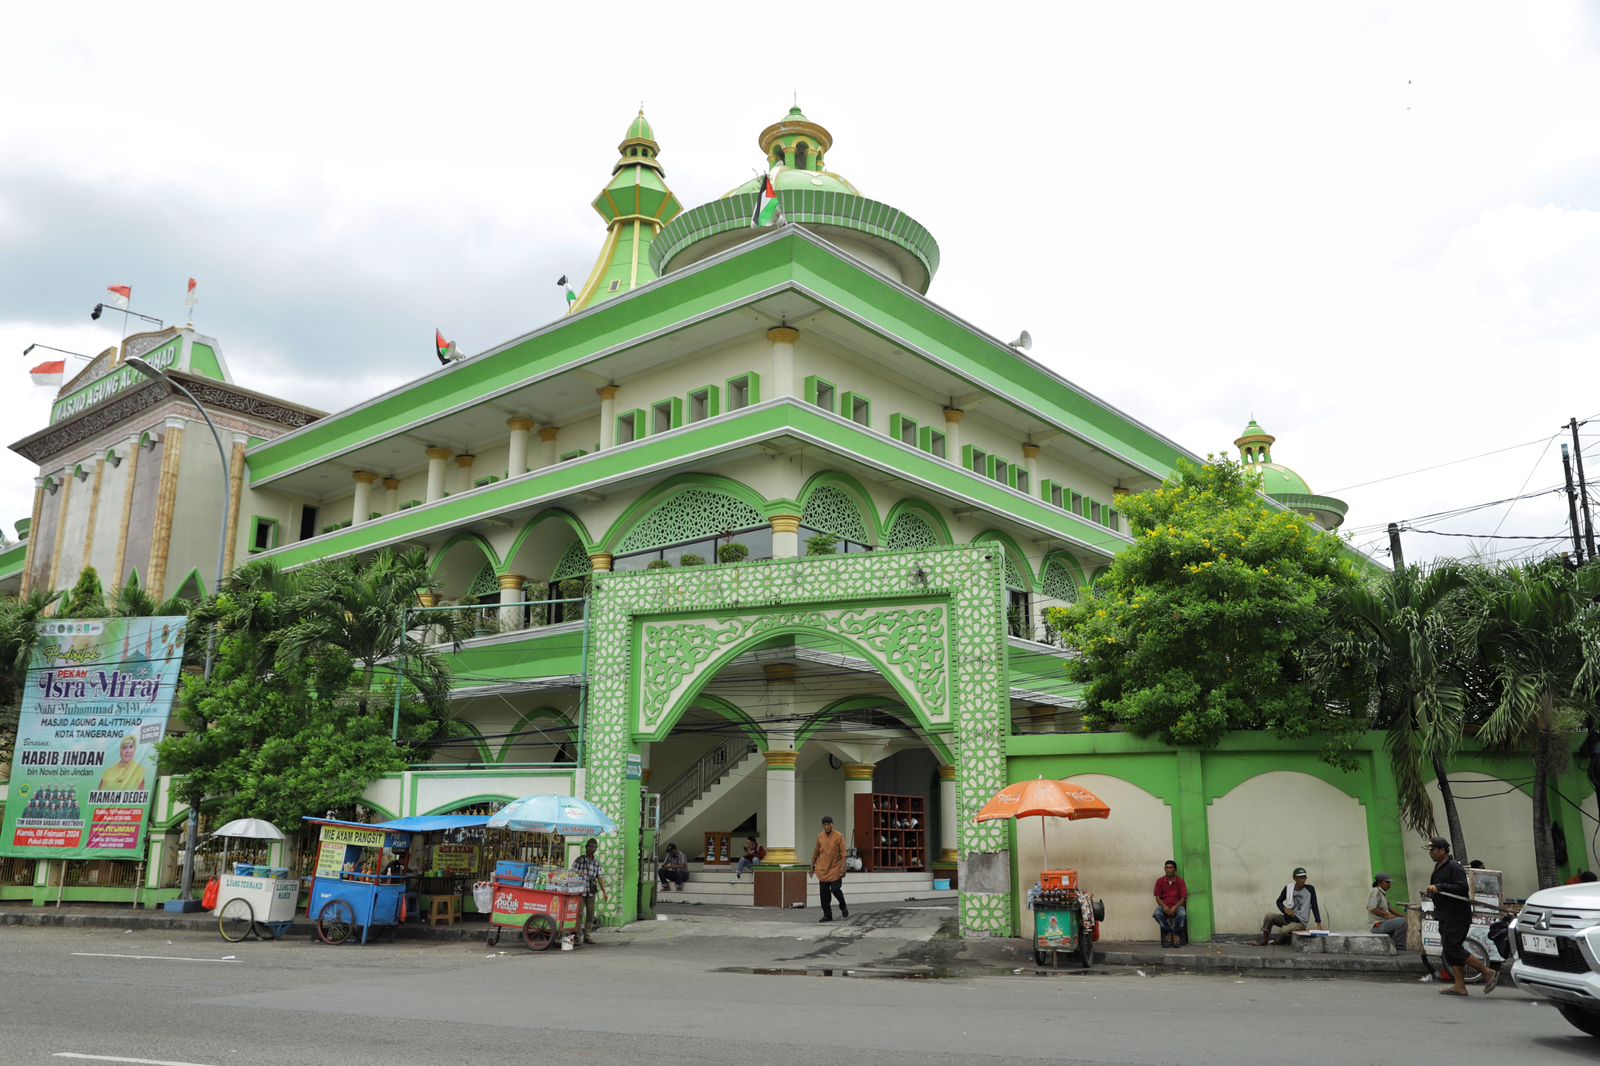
[785, 536]
[783, 380]
[778, 828]
[437, 457]
[517, 458]
[608, 416]
[949, 817]
[362, 507]
[857, 782]
[391, 495]
[547, 445]
[1030, 463]
[511, 597]
[952, 433]
[464, 464]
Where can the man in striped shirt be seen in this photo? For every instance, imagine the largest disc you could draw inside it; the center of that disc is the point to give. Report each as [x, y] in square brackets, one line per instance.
[593, 877]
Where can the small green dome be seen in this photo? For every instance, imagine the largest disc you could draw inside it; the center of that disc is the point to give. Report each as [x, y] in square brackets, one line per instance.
[786, 178]
[1279, 480]
[1253, 429]
[640, 130]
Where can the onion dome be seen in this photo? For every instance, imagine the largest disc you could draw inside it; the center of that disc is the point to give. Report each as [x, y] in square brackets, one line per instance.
[1282, 484]
[795, 151]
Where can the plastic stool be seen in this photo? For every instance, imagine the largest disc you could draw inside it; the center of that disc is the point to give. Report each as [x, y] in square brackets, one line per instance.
[443, 909]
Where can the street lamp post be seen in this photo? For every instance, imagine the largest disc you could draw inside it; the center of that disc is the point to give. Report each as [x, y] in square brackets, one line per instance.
[186, 894]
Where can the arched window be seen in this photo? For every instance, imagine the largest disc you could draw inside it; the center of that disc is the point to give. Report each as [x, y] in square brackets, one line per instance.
[801, 152]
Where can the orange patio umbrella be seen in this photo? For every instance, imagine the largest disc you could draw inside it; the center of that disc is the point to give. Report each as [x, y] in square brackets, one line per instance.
[1044, 799]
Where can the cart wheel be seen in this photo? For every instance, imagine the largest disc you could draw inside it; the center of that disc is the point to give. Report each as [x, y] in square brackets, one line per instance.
[539, 933]
[494, 936]
[1038, 957]
[1086, 946]
[336, 922]
[235, 920]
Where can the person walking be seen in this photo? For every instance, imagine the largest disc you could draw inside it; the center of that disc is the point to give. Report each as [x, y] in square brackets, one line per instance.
[593, 878]
[1453, 910]
[827, 866]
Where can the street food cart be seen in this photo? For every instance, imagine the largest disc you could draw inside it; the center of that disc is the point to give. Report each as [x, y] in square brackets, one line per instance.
[253, 897]
[545, 903]
[1066, 917]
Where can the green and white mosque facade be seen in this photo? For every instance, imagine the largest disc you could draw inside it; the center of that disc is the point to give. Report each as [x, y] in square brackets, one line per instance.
[718, 391]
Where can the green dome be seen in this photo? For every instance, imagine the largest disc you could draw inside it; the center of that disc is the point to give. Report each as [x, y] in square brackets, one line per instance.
[640, 130]
[1279, 480]
[786, 178]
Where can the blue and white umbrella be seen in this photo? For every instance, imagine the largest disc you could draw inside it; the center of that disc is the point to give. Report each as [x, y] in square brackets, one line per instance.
[567, 815]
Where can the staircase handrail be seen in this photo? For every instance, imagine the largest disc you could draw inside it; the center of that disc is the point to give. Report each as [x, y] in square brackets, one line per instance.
[693, 783]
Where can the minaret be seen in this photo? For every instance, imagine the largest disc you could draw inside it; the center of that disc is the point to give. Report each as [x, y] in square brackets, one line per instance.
[635, 205]
[1254, 444]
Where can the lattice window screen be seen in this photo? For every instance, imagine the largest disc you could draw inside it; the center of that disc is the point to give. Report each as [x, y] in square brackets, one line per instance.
[487, 583]
[832, 510]
[691, 515]
[574, 562]
[1058, 583]
[911, 531]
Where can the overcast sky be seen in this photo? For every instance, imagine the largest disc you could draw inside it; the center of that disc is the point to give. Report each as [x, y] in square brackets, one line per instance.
[1374, 227]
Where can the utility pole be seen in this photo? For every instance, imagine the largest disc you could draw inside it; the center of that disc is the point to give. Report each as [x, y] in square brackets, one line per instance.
[1394, 547]
[1583, 490]
[1572, 506]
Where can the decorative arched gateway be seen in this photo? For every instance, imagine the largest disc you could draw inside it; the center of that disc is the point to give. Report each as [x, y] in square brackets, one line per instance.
[931, 622]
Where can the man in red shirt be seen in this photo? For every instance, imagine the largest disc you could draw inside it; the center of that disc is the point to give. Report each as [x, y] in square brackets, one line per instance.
[1171, 913]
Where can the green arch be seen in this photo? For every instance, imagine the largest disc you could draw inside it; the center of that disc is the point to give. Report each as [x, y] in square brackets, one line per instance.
[1223, 775]
[530, 716]
[199, 583]
[1070, 561]
[671, 487]
[859, 703]
[924, 510]
[459, 730]
[1019, 558]
[487, 797]
[852, 488]
[714, 665]
[464, 537]
[735, 714]
[568, 517]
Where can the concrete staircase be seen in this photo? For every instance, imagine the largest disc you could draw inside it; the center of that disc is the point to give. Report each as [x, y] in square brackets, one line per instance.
[711, 886]
[739, 791]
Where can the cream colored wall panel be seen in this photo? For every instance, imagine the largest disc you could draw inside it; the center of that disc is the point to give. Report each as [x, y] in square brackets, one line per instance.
[1498, 822]
[202, 489]
[1117, 859]
[1273, 823]
[108, 519]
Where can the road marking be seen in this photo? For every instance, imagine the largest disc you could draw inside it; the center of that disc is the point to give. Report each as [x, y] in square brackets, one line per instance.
[119, 1058]
[169, 958]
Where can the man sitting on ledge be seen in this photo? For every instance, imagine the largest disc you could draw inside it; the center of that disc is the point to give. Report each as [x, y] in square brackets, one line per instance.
[1296, 907]
[674, 869]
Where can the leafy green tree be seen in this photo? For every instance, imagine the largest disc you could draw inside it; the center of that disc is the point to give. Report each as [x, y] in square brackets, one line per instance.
[19, 619]
[1398, 652]
[1198, 626]
[1537, 640]
[87, 598]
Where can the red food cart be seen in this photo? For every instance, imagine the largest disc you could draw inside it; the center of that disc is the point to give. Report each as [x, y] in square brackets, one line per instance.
[545, 904]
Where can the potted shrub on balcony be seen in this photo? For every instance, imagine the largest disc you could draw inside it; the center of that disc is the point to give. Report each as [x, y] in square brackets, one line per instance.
[691, 559]
[822, 544]
[659, 564]
[733, 552]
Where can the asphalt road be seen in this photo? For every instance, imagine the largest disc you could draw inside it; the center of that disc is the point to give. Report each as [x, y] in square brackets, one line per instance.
[189, 998]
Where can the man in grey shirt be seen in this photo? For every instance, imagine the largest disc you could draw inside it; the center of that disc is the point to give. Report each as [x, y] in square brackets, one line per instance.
[1296, 907]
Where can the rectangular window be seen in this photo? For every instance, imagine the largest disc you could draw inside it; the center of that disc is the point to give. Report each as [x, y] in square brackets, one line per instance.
[569, 456]
[308, 522]
[821, 393]
[1113, 519]
[1019, 479]
[630, 427]
[665, 415]
[487, 479]
[931, 441]
[703, 404]
[998, 469]
[975, 459]
[1094, 510]
[903, 429]
[744, 391]
[410, 504]
[263, 534]
[1075, 503]
[857, 408]
[1050, 492]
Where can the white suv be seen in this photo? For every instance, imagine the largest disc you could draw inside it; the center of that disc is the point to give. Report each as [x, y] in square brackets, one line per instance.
[1557, 941]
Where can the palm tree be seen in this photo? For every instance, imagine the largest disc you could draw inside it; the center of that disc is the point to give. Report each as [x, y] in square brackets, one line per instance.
[1537, 641]
[19, 629]
[1395, 654]
[357, 606]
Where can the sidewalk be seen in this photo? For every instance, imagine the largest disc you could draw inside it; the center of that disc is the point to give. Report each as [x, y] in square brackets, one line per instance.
[923, 929]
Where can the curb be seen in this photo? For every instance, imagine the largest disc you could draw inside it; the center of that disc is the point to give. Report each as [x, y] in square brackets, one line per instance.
[208, 924]
[1319, 964]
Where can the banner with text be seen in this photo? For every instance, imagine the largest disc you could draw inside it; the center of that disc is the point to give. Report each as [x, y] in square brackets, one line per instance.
[94, 706]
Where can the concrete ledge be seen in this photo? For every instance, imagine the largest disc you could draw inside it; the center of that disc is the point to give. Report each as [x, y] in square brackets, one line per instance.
[1363, 943]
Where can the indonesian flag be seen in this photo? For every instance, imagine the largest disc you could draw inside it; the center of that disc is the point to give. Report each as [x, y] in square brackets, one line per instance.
[120, 295]
[767, 207]
[190, 299]
[49, 373]
[446, 350]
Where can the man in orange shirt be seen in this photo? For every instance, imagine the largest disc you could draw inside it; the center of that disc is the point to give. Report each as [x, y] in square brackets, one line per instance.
[827, 866]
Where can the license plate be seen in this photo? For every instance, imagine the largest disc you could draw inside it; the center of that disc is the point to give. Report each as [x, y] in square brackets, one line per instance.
[1535, 944]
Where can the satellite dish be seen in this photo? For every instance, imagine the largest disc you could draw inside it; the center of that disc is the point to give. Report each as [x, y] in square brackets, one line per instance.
[1024, 341]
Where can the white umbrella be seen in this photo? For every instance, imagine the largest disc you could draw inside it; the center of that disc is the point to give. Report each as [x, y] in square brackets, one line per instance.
[250, 829]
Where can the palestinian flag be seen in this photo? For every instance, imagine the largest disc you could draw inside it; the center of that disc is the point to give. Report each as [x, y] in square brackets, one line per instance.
[446, 350]
[49, 373]
[767, 207]
[120, 295]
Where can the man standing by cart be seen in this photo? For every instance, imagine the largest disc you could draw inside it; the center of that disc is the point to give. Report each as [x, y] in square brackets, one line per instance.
[1452, 907]
[827, 865]
[593, 878]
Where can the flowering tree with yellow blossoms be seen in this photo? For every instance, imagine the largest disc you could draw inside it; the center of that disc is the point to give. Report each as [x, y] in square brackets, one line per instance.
[1199, 627]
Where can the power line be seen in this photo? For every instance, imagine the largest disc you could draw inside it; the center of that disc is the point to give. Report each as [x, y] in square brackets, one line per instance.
[1474, 536]
[1441, 466]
